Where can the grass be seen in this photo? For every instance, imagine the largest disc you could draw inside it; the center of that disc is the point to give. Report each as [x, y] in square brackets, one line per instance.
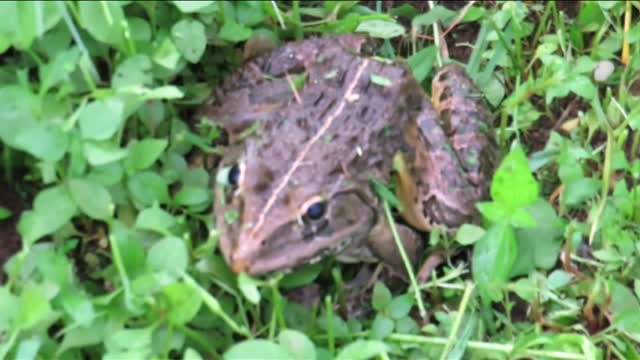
[106, 184]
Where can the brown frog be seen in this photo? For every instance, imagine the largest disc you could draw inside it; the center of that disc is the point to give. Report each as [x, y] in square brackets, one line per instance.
[326, 119]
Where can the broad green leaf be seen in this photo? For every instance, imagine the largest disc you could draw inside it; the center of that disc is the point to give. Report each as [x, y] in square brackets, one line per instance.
[59, 69]
[382, 327]
[155, 219]
[129, 339]
[437, 13]
[513, 183]
[493, 258]
[539, 246]
[188, 6]
[147, 187]
[468, 234]
[189, 37]
[167, 55]
[92, 198]
[249, 288]
[103, 20]
[184, 303]
[100, 120]
[421, 63]
[362, 350]
[11, 305]
[297, 344]
[191, 354]
[45, 141]
[133, 71]
[78, 306]
[53, 207]
[234, 32]
[381, 297]
[34, 308]
[131, 248]
[400, 306]
[78, 337]
[144, 153]
[102, 153]
[625, 309]
[16, 111]
[381, 29]
[28, 348]
[249, 349]
[168, 255]
[191, 196]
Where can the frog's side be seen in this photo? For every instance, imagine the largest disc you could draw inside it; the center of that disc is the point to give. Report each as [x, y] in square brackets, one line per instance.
[301, 186]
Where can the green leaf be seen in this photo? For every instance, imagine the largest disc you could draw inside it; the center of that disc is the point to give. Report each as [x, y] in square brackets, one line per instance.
[539, 246]
[169, 255]
[11, 306]
[234, 32]
[16, 111]
[513, 183]
[381, 29]
[437, 13]
[100, 119]
[421, 63]
[103, 20]
[133, 71]
[362, 350]
[155, 219]
[144, 153]
[381, 297]
[166, 54]
[400, 306]
[92, 198]
[5, 213]
[468, 234]
[34, 308]
[189, 37]
[129, 339]
[191, 196]
[249, 288]
[380, 80]
[78, 306]
[147, 187]
[297, 344]
[249, 349]
[493, 257]
[53, 207]
[102, 153]
[184, 303]
[45, 141]
[187, 6]
[59, 69]
[382, 327]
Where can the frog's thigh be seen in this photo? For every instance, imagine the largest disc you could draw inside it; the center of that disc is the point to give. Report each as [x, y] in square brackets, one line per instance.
[382, 244]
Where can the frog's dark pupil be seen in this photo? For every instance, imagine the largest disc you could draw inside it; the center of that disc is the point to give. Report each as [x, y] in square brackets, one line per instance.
[316, 211]
[234, 175]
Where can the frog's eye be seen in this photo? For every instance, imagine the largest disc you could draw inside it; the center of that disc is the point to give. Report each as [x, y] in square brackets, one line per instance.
[316, 211]
[233, 177]
[313, 209]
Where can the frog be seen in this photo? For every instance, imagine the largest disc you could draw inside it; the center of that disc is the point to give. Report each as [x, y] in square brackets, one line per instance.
[312, 125]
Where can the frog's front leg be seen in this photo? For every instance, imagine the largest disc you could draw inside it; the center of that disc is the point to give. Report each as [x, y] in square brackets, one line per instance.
[454, 158]
[383, 245]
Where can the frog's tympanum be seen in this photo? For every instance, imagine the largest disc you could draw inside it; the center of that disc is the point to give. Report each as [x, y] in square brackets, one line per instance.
[311, 123]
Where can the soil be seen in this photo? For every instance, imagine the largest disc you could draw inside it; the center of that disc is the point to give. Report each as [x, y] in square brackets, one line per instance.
[9, 237]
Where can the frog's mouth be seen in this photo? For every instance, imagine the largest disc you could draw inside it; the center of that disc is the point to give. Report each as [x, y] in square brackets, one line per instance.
[285, 245]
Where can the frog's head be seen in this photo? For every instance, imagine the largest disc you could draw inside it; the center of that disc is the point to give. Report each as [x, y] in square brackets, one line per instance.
[274, 217]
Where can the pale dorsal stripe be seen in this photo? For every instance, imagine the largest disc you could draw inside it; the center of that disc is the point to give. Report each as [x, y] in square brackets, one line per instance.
[348, 97]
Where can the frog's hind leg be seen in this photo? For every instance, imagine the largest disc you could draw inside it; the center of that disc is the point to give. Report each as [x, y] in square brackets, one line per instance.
[464, 118]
